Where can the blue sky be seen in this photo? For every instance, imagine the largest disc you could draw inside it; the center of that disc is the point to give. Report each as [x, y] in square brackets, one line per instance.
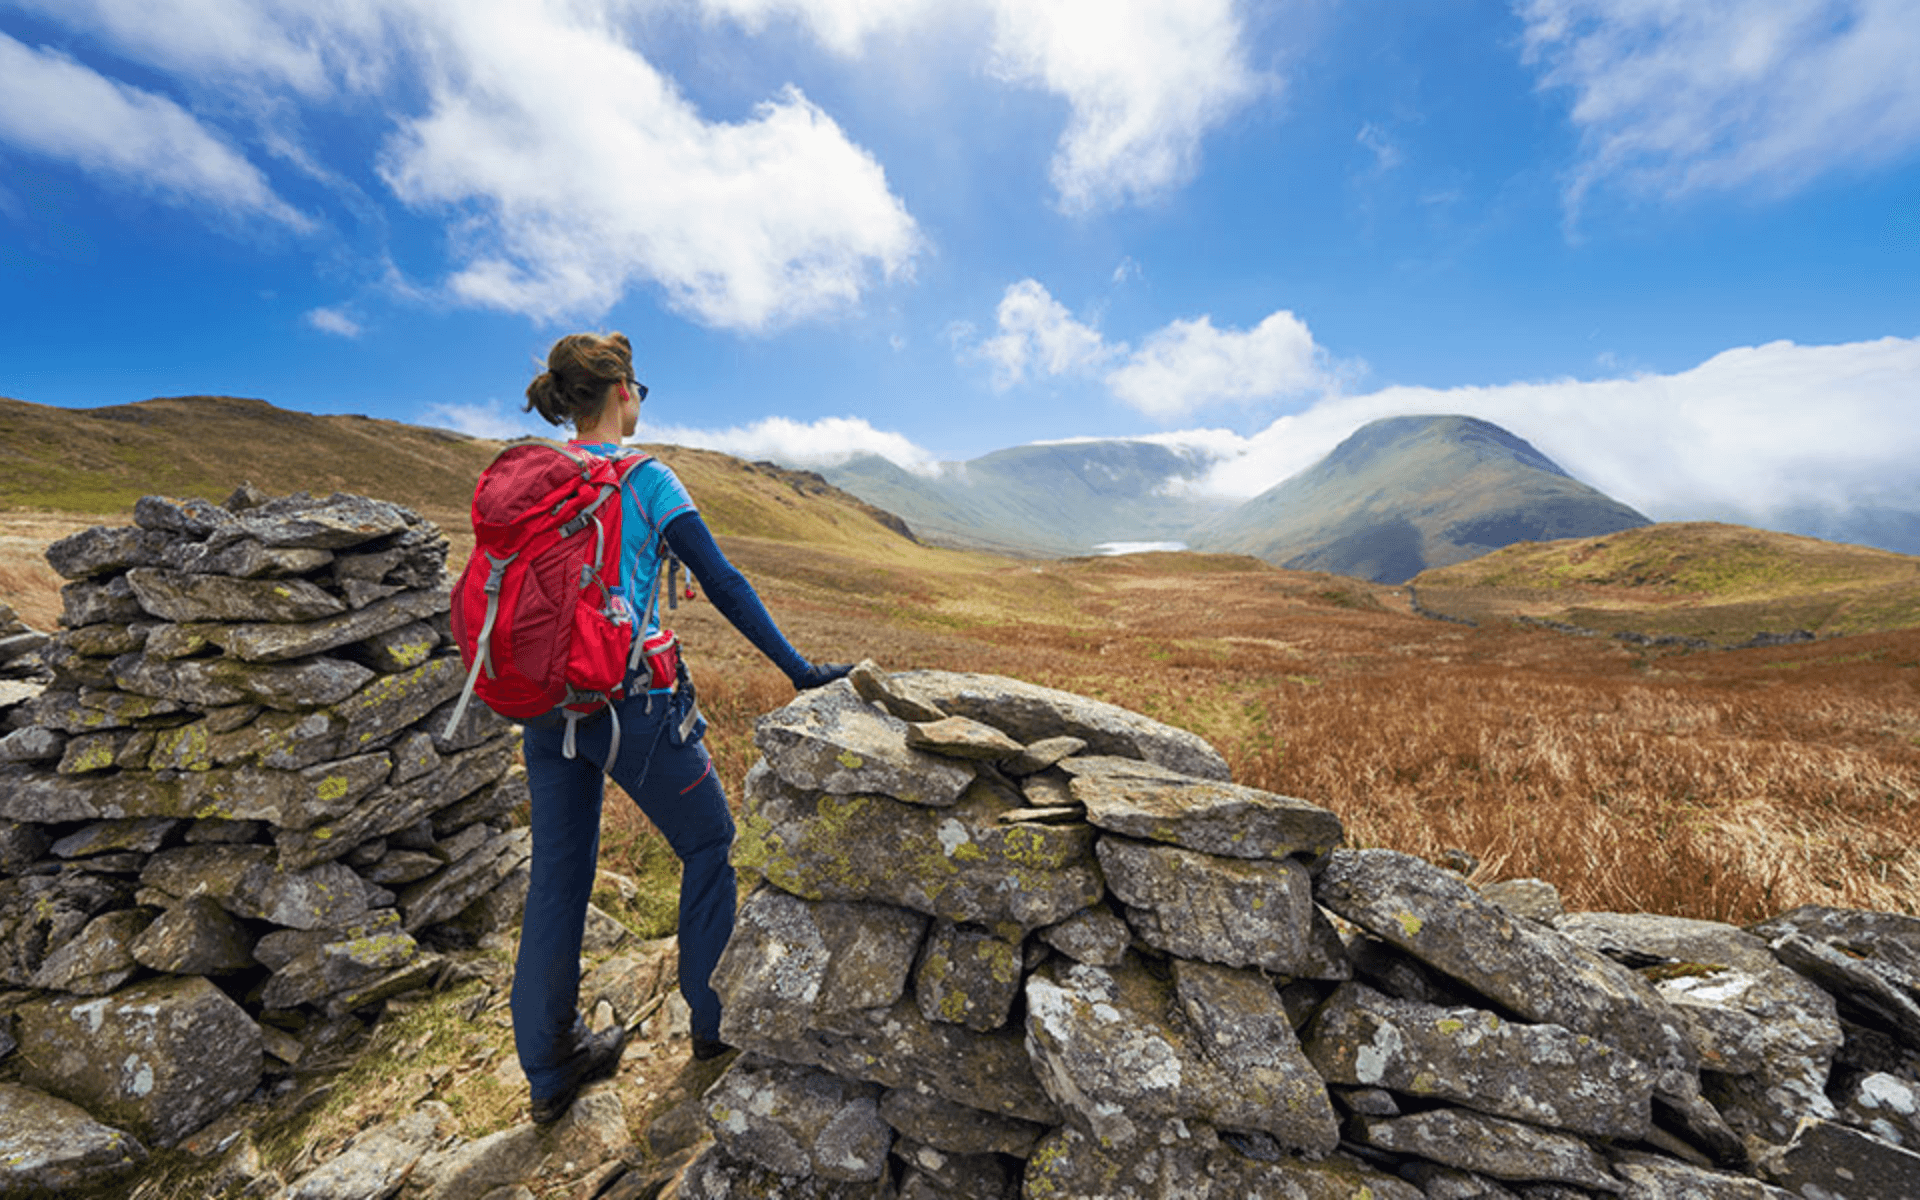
[1675, 243]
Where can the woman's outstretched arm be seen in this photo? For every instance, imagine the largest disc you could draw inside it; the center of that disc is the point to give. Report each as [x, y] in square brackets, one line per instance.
[730, 592]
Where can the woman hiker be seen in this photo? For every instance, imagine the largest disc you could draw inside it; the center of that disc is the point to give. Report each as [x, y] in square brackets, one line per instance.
[589, 383]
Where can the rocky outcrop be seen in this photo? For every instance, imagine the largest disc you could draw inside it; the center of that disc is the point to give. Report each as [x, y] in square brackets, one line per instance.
[231, 820]
[1005, 942]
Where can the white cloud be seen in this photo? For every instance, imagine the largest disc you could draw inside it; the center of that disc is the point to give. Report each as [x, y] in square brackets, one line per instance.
[1748, 434]
[53, 106]
[1677, 95]
[1145, 81]
[1177, 370]
[334, 321]
[494, 419]
[554, 140]
[842, 26]
[1037, 330]
[1189, 365]
[540, 134]
[824, 443]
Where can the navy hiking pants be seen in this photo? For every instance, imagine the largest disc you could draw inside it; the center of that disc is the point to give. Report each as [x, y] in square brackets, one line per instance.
[678, 790]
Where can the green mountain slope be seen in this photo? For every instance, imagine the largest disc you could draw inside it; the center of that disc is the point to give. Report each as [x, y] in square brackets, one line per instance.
[1056, 498]
[1408, 493]
[1722, 583]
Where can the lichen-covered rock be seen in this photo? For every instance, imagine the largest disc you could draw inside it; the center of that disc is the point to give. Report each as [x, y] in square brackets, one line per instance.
[214, 682]
[1155, 804]
[441, 897]
[194, 937]
[1092, 935]
[1029, 713]
[21, 844]
[718, 1175]
[398, 649]
[161, 1058]
[961, 737]
[243, 559]
[1236, 911]
[1040, 755]
[41, 913]
[955, 1128]
[1109, 1053]
[192, 517]
[1884, 1105]
[378, 1161]
[1651, 1177]
[1532, 899]
[1831, 1160]
[1766, 1034]
[293, 799]
[1335, 1177]
[936, 1174]
[309, 965]
[959, 862]
[110, 602]
[336, 523]
[1869, 960]
[1493, 1146]
[99, 958]
[32, 744]
[142, 835]
[1534, 972]
[794, 962]
[274, 642]
[898, 1047]
[51, 1147]
[830, 740]
[1071, 1165]
[1543, 1074]
[182, 597]
[968, 976]
[391, 809]
[799, 1121]
[250, 882]
[105, 550]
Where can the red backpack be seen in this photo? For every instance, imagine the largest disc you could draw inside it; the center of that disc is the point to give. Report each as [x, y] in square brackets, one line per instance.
[542, 622]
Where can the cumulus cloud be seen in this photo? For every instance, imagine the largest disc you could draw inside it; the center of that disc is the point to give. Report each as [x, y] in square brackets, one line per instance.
[1677, 95]
[1036, 330]
[824, 443]
[334, 321]
[1145, 81]
[1185, 366]
[1189, 365]
[1751, 433]
[539, 132]
[55, 107]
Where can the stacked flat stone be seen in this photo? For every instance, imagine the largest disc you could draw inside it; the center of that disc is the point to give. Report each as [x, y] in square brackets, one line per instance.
[1007, 941]
[231, 821]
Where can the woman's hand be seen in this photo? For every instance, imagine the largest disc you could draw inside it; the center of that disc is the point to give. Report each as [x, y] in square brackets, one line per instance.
[820, 675]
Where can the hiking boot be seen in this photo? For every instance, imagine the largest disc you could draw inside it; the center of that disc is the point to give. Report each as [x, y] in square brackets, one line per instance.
[708, 1048]
[596, 1057]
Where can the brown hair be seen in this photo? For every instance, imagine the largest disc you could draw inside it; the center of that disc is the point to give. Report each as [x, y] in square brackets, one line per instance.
[580, 367]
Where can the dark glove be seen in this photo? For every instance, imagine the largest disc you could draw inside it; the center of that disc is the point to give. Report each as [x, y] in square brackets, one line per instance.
[820, 675]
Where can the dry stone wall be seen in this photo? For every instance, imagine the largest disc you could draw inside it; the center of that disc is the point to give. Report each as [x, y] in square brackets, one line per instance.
[1009, 942]
[231, 824]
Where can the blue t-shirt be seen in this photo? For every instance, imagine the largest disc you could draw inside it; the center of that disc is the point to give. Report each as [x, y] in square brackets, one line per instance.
[653, 495]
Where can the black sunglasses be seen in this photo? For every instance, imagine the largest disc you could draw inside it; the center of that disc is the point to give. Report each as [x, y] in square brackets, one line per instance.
[639, 389]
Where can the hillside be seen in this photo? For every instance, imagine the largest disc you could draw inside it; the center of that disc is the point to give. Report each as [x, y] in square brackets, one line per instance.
[1722, 583]
[1051, 498]
[1408, 493]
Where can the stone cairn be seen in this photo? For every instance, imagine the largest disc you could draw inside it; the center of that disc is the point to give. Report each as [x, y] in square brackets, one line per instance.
[230, 826]
[1012, 942]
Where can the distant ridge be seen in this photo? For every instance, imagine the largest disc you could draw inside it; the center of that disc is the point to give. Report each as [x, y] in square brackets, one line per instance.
[1405, 494]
